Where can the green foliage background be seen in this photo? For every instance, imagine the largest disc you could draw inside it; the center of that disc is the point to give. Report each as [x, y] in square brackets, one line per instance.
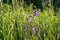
[13, 16]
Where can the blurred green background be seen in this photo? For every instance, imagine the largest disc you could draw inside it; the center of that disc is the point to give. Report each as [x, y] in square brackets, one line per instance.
[29, 19]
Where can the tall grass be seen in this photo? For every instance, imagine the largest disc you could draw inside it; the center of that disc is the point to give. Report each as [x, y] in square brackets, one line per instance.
[15, 26]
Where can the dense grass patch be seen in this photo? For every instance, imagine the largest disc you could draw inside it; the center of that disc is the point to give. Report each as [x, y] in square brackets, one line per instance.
[19, 23]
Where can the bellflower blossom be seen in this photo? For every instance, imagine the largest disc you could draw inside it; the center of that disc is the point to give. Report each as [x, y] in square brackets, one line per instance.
[24, 26]
[32, 29]
[35, 12]
[30, 18]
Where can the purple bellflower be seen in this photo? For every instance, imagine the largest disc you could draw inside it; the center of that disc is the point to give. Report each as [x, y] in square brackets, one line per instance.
[30, 18]
[35, 12]
[32, 29]
[24, 26]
